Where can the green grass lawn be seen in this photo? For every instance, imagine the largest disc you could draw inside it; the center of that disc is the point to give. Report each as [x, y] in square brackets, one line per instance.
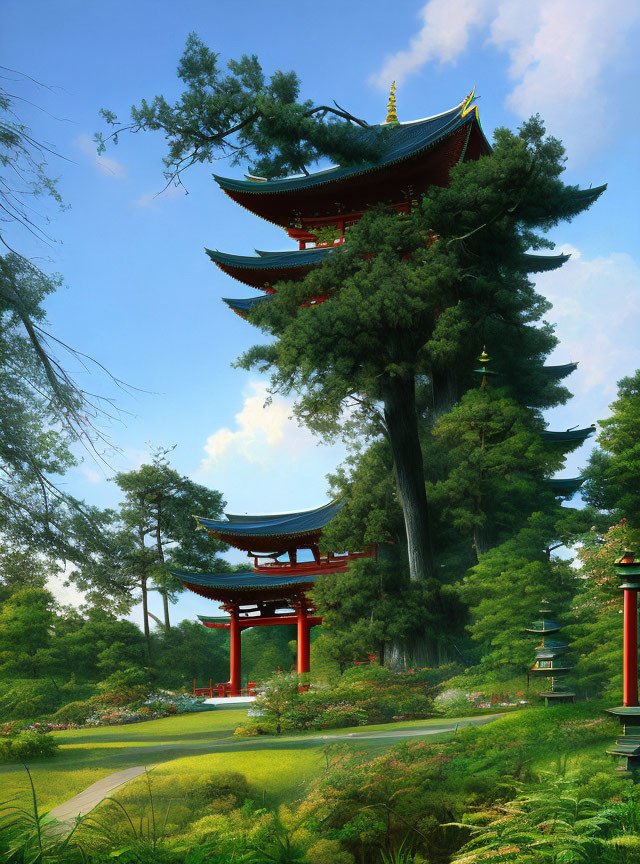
[87, 755]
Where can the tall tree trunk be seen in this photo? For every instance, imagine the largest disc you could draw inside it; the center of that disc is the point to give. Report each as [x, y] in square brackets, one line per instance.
[143, 587]
[145, 610]
[481, 542]
[444, 386]
[165, 607]
[165, 599]
[399, 398]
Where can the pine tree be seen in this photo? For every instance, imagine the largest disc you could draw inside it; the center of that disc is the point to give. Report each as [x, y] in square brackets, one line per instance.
[613, 473]
[402, 306]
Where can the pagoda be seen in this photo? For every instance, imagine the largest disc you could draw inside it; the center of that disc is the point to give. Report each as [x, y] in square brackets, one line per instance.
[567, 440]
[550, 657]
[274, 590]
[316, 210]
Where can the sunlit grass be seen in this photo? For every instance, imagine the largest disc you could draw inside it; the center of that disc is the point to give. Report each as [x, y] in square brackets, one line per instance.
[276, 767]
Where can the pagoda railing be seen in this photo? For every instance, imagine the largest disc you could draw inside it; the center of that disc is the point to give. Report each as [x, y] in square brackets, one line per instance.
[325, 564]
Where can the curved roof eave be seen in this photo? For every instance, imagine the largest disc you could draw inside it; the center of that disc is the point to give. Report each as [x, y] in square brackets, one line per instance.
[436, 128]
[272, 525]
[242, 580]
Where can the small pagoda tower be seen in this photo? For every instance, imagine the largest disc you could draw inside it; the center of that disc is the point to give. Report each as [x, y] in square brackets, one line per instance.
[551, 661]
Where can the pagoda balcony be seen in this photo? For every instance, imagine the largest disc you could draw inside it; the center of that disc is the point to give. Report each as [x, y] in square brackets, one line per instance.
[324, 564]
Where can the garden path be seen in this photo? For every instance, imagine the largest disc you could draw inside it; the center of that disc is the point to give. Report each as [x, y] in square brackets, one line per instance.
[84, 802]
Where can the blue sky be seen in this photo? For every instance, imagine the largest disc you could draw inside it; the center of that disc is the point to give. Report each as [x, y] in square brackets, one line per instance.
[142, 297]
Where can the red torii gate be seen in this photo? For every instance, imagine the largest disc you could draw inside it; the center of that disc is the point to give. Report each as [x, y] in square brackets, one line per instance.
[237, 622]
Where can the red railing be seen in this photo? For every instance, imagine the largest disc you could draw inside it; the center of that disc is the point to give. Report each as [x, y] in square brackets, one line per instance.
[326, 564]
[223, 689]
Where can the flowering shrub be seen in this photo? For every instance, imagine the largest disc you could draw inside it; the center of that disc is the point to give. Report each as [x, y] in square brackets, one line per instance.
[367, 695]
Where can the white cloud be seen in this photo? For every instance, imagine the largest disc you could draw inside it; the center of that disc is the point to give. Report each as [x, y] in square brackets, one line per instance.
[92, 476]
[596, 303]
[104, 164]
[151, 200]
[261, 432]
[66, 595]
[444, 36]
[560, 53]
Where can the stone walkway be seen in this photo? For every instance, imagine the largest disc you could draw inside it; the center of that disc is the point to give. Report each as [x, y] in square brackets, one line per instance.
[84, 802]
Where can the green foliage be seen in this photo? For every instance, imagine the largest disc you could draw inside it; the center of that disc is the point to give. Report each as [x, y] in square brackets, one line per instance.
[121, 688]
[492, 463]
[242, 114]
[232, 786]
[596, 635]
[27, 746]
[188, 651]
[365, 608]
[27, 699]
[373, 514]
[387, 281]
[40, 414]
[551, 823]
[363, 695]
[433, 798]
[21, 568]
[264, 650]
[152, 534]
[95, 642]
[28, 836]
[75, 712]
[276, 699]
[504, 591]
[26, 620]
[614, 467]
[403, 304]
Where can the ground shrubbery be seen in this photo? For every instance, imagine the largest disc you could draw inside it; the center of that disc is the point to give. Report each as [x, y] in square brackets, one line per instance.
[363, 695]
[539, 779]
[25, 746]
[28, 698]
[226, 789]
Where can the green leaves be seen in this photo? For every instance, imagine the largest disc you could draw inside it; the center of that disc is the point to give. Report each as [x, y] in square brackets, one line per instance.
[614, 468]
[241, 114]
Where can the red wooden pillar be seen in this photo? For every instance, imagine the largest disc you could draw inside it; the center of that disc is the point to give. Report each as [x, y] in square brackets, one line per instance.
[235, 653]
[630, 652]
[304, 663]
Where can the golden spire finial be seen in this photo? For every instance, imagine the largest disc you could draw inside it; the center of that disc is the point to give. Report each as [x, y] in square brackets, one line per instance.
[392, 117]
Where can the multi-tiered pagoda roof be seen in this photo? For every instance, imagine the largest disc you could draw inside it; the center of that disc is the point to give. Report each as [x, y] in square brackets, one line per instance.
[278, 538]
[415, 156]
[551, 659]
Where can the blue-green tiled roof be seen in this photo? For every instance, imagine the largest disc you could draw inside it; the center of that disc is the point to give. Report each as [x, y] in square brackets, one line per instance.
[565, 486]
[271, 260]
[301, 522]
[244, 306]
[532, 263]
[556, 373]
[568, 437]
[307, 257]
[243, 580]
[404, 140]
